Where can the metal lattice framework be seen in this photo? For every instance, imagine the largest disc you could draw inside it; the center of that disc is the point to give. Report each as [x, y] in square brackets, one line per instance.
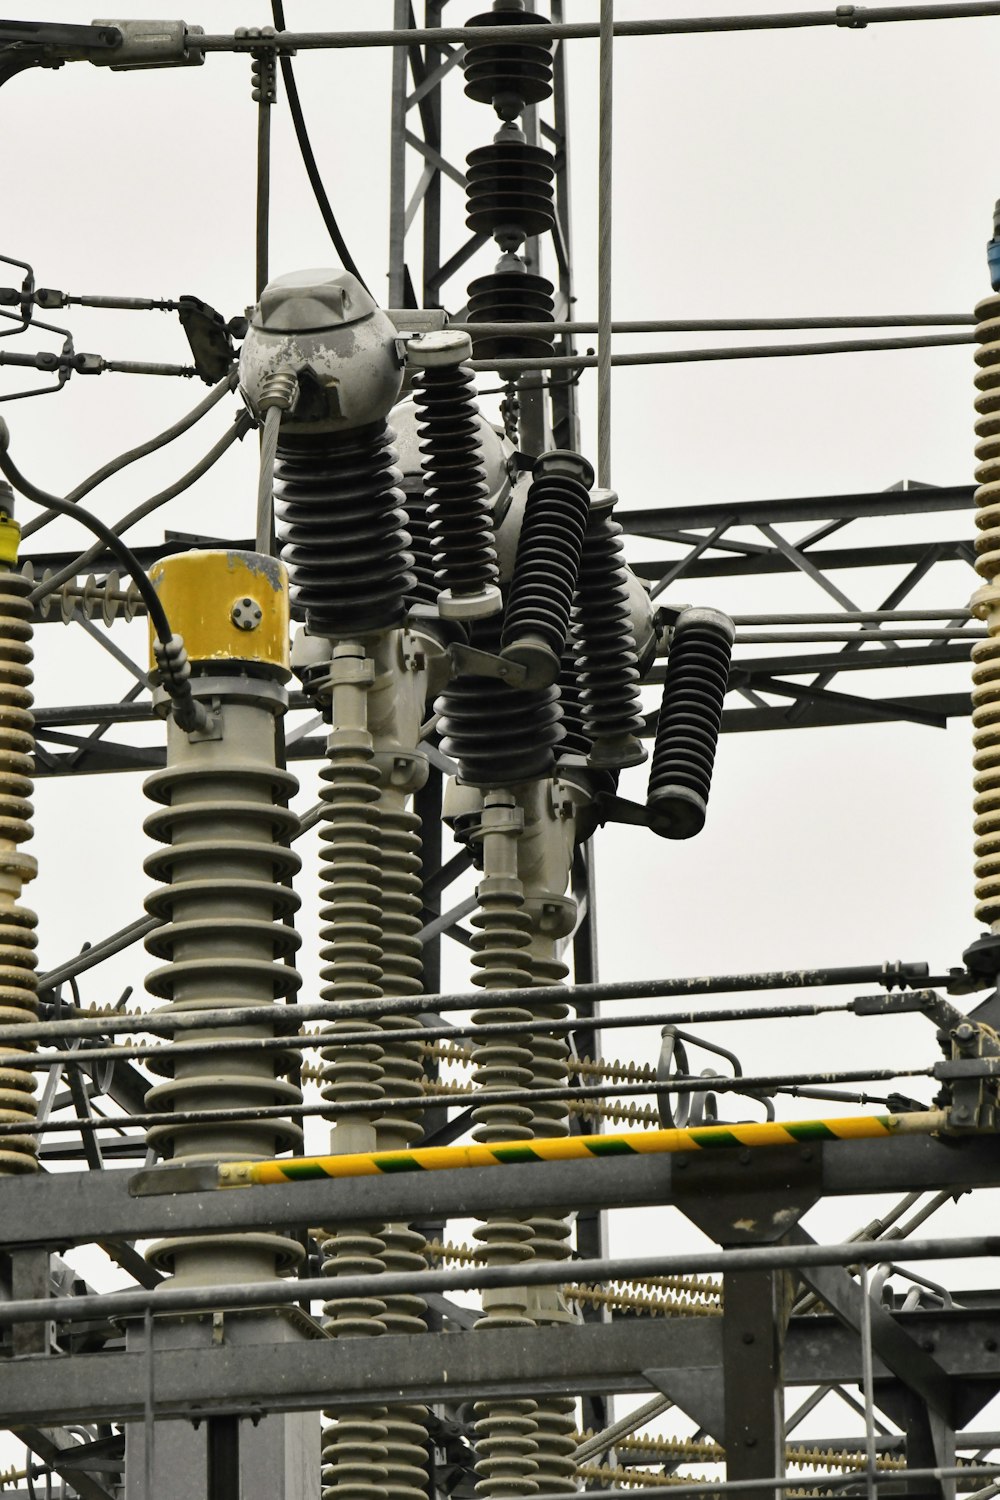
[722, 1336]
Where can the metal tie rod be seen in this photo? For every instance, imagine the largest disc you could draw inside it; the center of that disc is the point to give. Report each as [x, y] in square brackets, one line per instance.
[719, 1083]
[720, 325]
[890, 975]
[44, 1031]
[853, 17]
[736, 351]
[233, 1295]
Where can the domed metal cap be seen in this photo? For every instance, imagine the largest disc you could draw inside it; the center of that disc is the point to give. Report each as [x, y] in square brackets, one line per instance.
[309, 301]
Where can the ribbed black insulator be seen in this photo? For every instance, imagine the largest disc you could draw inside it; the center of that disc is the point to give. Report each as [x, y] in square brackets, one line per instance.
[576, 741]
[497, 734]
[509, 191]
[342, 530]
[461, 523]
[425, 590]
[547, 565]
[602, 631]
[507, 75]
[690, 717]
[511, 297]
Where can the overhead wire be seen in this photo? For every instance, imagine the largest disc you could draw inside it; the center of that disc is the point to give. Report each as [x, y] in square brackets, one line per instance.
[142, 450]
[748, 351]
[308, 155]
[243, 424]
[584, 994]
[849, 17]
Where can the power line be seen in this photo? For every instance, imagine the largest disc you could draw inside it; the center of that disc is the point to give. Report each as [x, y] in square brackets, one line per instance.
[849, 17]
[696, 356]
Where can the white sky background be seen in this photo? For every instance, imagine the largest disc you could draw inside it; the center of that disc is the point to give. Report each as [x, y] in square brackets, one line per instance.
[756, 175]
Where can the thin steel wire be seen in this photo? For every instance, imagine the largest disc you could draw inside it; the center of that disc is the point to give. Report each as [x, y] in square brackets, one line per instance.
[736, 351]
[850, 17]
[167, 1299]
[683, 1084]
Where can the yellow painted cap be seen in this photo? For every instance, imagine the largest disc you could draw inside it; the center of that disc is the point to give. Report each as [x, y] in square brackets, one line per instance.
[229, 606]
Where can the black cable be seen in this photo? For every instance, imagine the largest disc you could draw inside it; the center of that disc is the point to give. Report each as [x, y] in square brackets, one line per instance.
[114, 544]
[263, 224]
[308, 158]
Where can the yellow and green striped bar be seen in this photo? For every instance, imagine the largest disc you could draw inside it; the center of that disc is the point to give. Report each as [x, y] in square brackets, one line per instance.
[580, 1148]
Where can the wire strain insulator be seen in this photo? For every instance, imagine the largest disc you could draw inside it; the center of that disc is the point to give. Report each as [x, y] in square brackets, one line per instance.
[687, 731]
[605, 645]
[342, 530]
[18, 986]
[455, 487]
[107, 600]
[985, 605]
[547, 566]
[225, 940]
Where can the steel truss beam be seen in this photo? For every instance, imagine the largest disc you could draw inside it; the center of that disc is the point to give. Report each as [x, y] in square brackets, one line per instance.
[80, 1207]
[616, 1357]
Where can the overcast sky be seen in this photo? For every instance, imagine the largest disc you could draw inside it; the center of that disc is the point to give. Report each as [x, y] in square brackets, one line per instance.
[776, 174]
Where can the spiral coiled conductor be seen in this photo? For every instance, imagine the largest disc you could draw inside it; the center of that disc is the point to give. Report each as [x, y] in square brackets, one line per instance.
[18, 998]
[986, 606]
[547, 566]
[604, 644]
[455, 488]
[342, 530]
[687, 732]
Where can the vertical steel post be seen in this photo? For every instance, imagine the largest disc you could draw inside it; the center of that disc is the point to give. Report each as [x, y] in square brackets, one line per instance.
[752, 1382]
[397, 163]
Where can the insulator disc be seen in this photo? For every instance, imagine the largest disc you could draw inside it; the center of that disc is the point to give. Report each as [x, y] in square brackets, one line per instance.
[507, 75]
[510, 297]
[509, 189]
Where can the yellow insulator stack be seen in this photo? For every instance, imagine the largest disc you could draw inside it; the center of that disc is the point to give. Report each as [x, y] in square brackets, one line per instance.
[18, 1002]
[985, 605]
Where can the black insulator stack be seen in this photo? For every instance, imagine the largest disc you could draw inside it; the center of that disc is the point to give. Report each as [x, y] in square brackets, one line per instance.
[508, 75]
[511, 296]
[547, 565]
[576, 741]
[455, 487]
[509, 193]
[605, 645]
[690, 717]
[425, 589]
[342, 530]
[498, 735]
